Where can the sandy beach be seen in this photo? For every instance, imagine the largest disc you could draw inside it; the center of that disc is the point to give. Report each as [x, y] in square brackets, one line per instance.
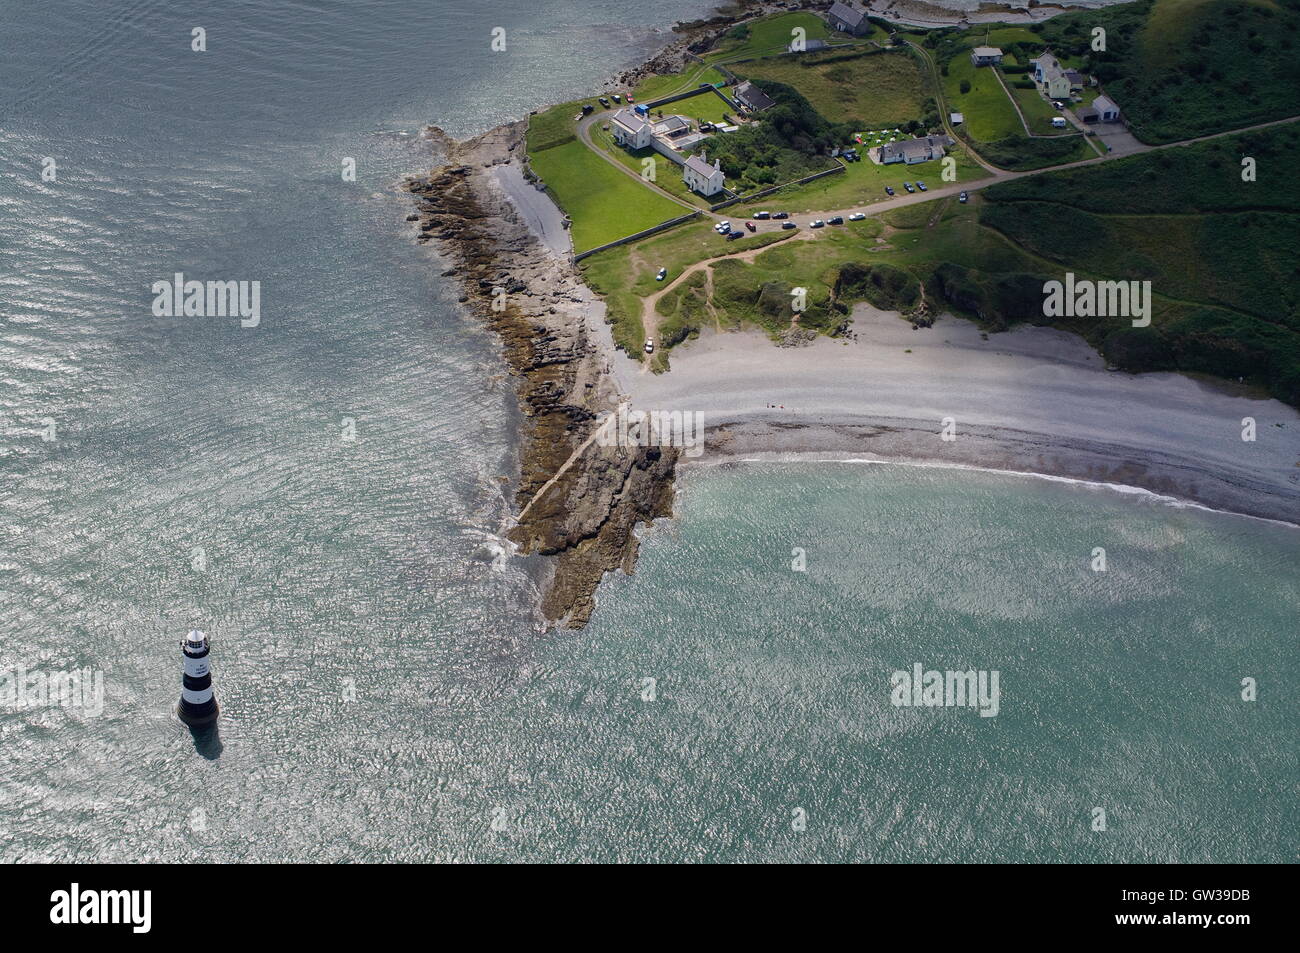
[536, 209]
[1031, 400]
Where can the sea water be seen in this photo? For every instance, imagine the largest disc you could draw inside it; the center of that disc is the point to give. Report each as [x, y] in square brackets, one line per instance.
[322, 494]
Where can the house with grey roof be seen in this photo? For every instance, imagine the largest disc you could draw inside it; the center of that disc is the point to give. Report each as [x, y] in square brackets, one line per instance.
[672, 126]
[702, 177]
[911, 151]
[630, 129]
[846, 19]
[1107, 111]
[1048, 71]
[807, 46]
[986, 56]
[751, 97]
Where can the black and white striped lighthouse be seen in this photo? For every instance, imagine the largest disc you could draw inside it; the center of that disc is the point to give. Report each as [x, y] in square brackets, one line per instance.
[198, 707]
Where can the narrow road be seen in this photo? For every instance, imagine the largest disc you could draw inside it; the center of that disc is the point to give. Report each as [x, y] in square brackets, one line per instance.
[649, 314]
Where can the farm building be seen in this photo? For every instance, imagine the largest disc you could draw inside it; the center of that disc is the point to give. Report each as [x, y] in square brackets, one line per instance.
[846, 19]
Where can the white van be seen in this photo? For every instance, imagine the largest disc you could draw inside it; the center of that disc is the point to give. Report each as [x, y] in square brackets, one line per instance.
[1059, 122]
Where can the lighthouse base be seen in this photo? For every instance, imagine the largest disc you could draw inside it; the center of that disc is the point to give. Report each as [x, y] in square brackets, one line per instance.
[198, 716]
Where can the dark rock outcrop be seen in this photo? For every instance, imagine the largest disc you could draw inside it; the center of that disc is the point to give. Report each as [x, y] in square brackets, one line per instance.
[578, 502]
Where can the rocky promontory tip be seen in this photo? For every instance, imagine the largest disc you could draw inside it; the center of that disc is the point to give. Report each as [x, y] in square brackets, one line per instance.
[577, 503]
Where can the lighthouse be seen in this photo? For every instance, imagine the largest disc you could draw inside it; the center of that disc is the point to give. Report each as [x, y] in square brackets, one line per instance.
[198, 707]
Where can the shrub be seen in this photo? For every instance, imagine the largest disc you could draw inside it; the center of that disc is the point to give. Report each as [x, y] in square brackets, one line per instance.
[885, 286]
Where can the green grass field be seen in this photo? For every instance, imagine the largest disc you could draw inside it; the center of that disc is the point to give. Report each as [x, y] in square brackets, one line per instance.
[1038, 112]
[668, 175]
[878, 89]
[1004, 36]
[767, 36]
[603, 203]
[989, 115]
[553, 127]
[707, 106]
[992, 124]
[660, 85]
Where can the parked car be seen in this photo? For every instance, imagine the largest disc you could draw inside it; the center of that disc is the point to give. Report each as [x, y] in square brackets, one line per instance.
[780, 214]
[1058, 104]
[837, 220]
[818, 224]
[630, 99]
[649, 346]
[921, 185]
[588, 109]
[734, 235]
[663, 273]
[962, 198]
[762, 215]
[603, 101]
[722, 228]
[908, 186]
[751, 226]
[788, 225]
[889, 190]
[616, 97]
[857, 216]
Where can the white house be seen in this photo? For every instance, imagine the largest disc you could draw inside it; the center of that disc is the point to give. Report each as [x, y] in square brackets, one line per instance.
[631, 130]
[912, 151]
[702, 177]
[1048, 71]
[1107, 111]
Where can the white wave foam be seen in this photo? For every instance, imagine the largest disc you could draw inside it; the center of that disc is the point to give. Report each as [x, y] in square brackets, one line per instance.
[1122, 488]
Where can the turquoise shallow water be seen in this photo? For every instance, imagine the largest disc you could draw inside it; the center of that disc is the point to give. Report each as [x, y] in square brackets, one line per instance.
[387, 691]
[1119, 689]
